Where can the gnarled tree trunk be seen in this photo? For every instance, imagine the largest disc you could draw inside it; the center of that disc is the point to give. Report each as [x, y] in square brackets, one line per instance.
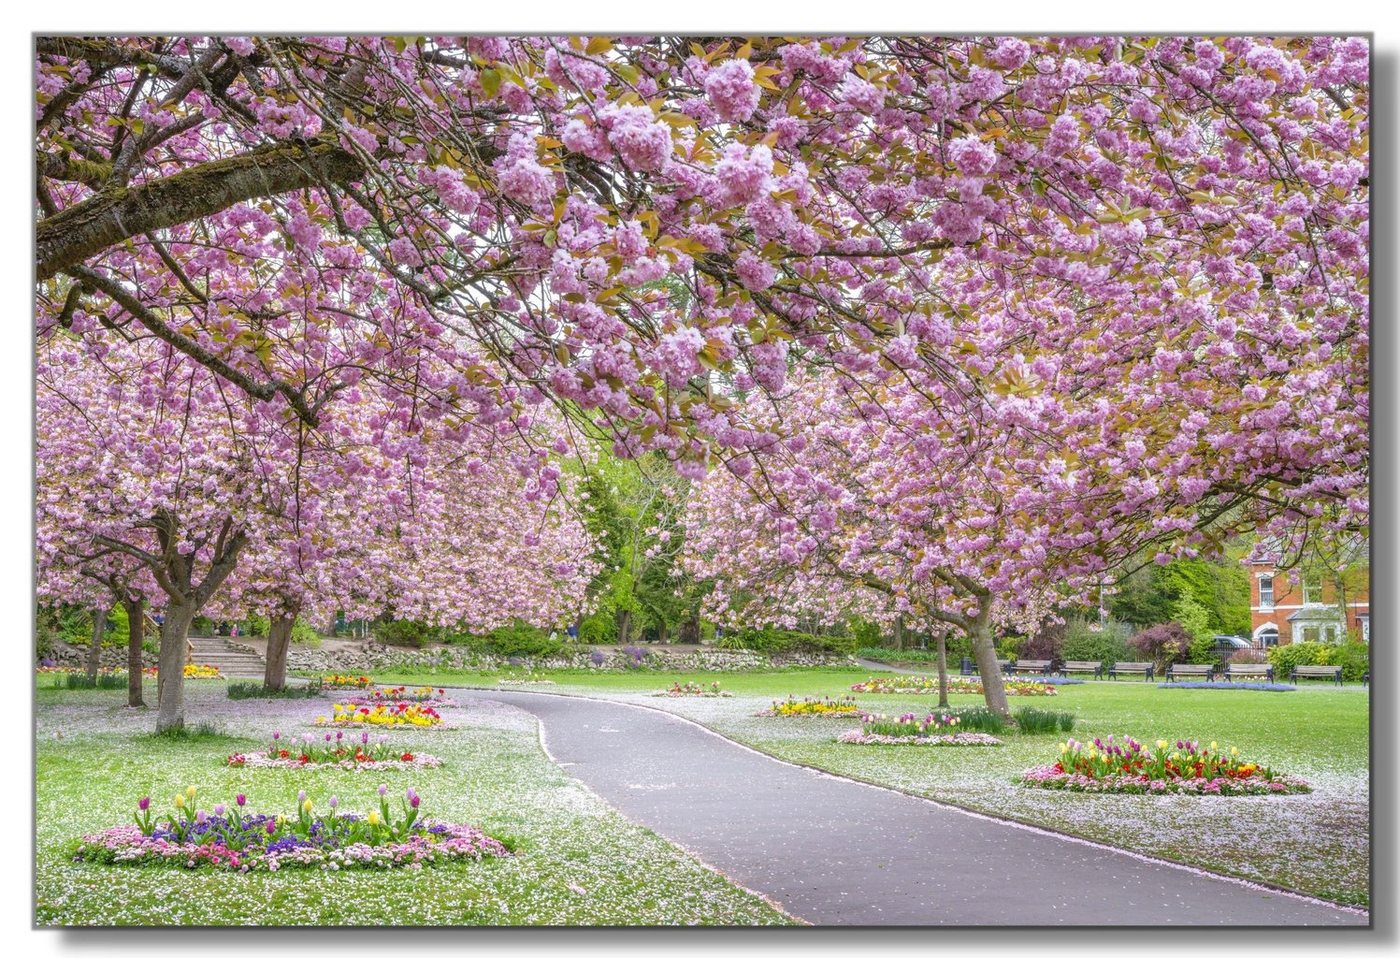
[899, 632]
[136, 616]
[94, 659]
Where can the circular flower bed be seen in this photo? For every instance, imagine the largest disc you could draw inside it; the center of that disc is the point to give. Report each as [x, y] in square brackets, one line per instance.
[907, 729]
[231, 839]
[402, 714]
[821, 708]
[1183, 768]
[353, 752]
[957, 685]
[423, 693]
[694, 689]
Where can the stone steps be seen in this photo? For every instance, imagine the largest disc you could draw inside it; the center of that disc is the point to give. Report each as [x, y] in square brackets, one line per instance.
[215, 650]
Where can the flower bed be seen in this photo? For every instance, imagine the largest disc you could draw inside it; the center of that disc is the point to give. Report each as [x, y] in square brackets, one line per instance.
[74, 670]
[401, 714]
[821, 708]
[940, 728]
[1247, 686]
[192, 671]
[345, 681]
[1185, 768]
[694, 689]
[957, 685]
[524, 682]
[423, 693]
[311, 751]
[235, 840]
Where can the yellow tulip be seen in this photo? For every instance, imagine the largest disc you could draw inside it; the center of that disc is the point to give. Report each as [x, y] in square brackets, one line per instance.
[1161, 743]
[179, 801]
[1213, 746]
[374, 818]
[190, 791]
[1234, 752]
[306, 805]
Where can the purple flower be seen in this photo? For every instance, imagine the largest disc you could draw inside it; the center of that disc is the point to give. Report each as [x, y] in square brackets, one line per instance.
[199, 816]
[301, 796]
[271, 826]
[333, 802]
[383, 789]
[339, 736]
[414, 800]
[219, 810]
[364, 738]
[241, 799]
[144, 804]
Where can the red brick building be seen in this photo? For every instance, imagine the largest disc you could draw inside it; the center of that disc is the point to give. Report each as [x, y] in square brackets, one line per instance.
[1291, 606]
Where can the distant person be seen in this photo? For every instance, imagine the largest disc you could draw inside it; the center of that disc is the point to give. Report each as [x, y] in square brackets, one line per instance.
[572, 632]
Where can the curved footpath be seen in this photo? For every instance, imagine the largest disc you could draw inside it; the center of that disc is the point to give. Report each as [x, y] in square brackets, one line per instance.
[832, 851]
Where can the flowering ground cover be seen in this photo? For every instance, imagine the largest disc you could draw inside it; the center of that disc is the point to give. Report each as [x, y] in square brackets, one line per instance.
[1183, 768]
[942, 728]
[792, 707]
[694, 689]
[576, 861]
[928, 685]
[1261, 839]
[402, 693]
[194, 670]
[1243, 686]
[358, 751]
[395, 715]
[230, 837]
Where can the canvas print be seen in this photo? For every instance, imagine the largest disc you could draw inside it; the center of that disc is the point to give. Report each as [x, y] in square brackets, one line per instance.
[701, 480]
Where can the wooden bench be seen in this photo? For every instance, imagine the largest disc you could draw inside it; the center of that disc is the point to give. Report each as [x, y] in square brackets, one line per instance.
[1333, 672]
[1040, 666]
[969, 666]
[1204, 672]
[1240, 670]
[1131, 668]
[1092, 668]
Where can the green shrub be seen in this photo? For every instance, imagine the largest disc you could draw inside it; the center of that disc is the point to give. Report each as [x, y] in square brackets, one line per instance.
[521, 639]
[1108, 645]
[865, 633]
[204, 731]
[1009, 646]
[1353, 657]
[1202, 651]
[405, 632]
[1031, 721]
[150, 645]
[105, 680]
[303, 634]
[979, 718]
[1285, 658]
[259, 625]
[600, 628]
[772, 641]
[256, 690]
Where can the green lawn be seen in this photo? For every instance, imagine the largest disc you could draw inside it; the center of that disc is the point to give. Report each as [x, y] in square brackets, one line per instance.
[1316, 843]
[579, 861]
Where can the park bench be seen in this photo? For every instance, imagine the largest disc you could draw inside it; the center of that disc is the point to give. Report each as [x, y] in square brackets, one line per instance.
[1333, 672]
[1240, 670]
[969, 667]
[1040, 666]
[1093, 668]
[1132, 668]
[1204, 672]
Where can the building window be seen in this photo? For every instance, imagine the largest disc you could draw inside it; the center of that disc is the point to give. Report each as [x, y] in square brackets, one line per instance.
[1268, 637]
[1266, 592]
[1365, 621]
[1312, 590]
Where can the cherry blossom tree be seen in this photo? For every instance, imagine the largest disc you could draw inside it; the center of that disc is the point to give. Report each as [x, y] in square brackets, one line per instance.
[522, 197]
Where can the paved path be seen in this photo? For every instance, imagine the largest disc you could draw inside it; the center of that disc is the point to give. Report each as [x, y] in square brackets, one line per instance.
[832, 851]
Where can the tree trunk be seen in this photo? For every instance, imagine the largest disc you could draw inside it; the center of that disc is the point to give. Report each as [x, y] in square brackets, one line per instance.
[99, 626]
[136, 616]
[899, 632]
[171, 687]
[279, 640]
[624, 626]
[943, 670]
[993, 690]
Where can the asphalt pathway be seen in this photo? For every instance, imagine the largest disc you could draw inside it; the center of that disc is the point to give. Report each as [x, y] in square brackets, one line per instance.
[832, 851]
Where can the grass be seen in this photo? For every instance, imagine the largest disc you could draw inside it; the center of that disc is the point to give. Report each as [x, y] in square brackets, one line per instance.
[257, 690]
[579, 862]
[1317, 844]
